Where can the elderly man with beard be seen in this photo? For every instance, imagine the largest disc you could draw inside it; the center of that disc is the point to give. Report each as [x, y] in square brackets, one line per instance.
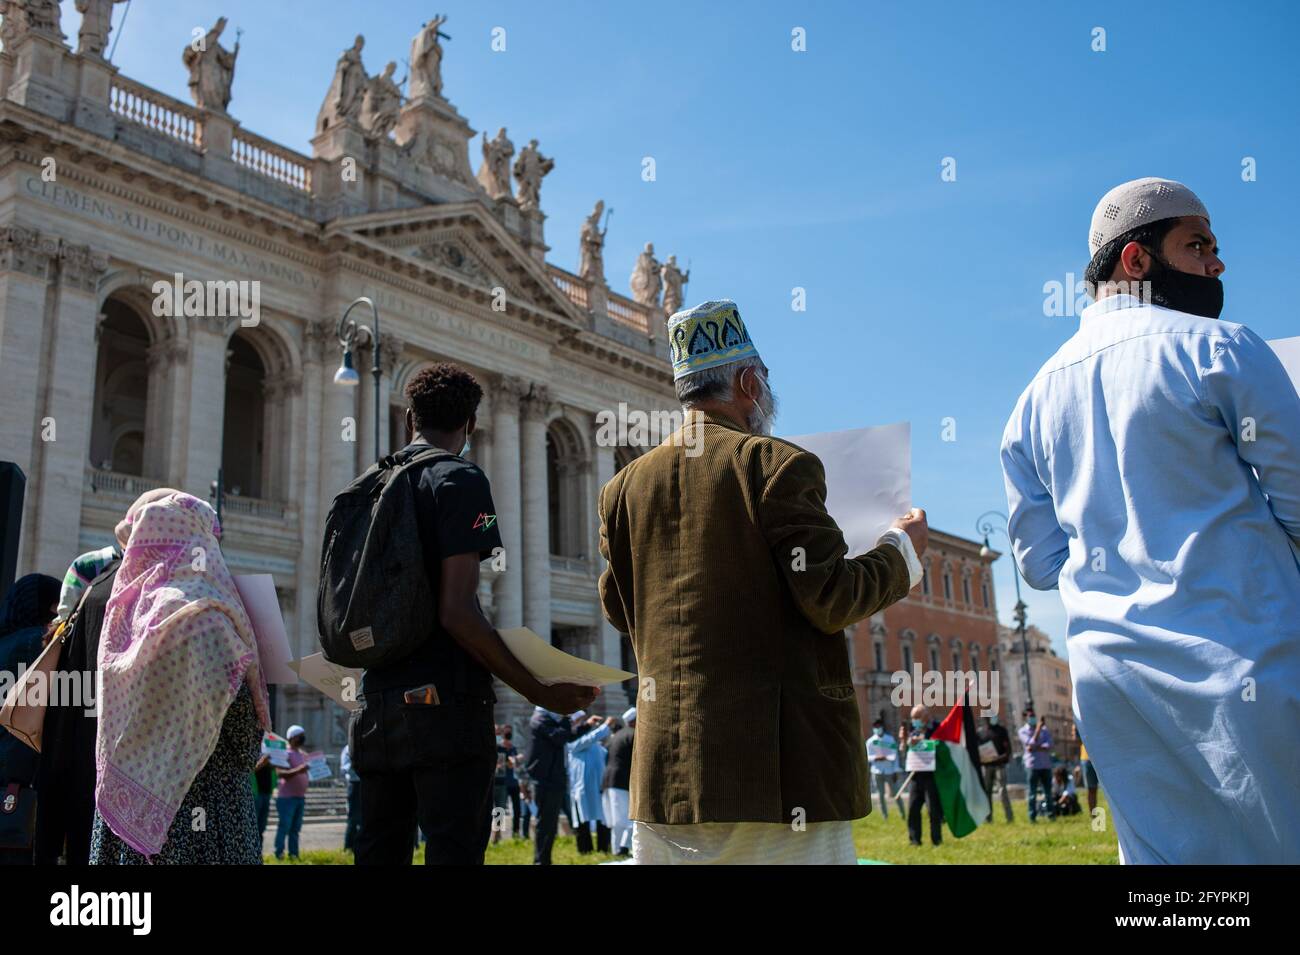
[735, 586]
[1153, 474]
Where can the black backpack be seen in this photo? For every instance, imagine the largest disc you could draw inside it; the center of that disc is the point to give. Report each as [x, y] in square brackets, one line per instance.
[374, 605]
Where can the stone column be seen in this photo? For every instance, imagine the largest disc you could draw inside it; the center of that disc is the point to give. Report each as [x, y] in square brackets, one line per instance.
[175, 353]
[390, 356]
[610, 641]
[156, 412]
[537, 526]
[509, 598]
[68, 401]
[206, 405]
[26, 259]
[365, 400]
[312, 506]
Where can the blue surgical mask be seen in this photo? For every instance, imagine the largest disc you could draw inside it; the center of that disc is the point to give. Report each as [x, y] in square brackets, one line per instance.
[993, 721]
[918, 724]
[878, 730]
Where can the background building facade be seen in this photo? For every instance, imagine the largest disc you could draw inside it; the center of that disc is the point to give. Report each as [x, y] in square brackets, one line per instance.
[1049, 677]
[109, 187]
[947, 624]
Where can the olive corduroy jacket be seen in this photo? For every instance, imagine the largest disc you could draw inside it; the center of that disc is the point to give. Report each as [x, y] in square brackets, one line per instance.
[732, 581]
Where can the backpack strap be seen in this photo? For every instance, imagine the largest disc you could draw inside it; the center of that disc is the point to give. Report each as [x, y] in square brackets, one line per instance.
[427, 453]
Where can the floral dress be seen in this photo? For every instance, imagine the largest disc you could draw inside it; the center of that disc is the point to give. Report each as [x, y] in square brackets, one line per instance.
[229, 834]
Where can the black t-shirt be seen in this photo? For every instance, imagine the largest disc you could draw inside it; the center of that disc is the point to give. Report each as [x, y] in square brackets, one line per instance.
[453, 504]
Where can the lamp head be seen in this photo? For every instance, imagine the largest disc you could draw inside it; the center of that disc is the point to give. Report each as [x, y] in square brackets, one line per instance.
[347, 375]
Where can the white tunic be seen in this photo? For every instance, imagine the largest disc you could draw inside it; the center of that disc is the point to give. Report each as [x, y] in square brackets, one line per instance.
[1153, 472]
[743, 843]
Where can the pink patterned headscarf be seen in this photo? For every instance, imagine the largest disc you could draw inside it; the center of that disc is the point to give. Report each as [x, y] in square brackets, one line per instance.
[176, 646]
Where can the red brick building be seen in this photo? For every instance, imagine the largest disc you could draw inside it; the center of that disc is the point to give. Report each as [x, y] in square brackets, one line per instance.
[947, 624]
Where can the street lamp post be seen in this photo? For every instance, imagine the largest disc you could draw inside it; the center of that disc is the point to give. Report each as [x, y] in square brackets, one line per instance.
[217, 491]
[985, 527]
[348, 334]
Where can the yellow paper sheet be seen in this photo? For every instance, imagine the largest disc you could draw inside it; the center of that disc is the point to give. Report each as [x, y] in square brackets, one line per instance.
[550, 665]
[340, 684]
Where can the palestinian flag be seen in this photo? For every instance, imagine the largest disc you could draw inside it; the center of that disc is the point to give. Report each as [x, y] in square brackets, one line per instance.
[957, 772]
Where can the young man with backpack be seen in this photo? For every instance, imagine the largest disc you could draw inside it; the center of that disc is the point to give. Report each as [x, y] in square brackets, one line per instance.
[399, 598]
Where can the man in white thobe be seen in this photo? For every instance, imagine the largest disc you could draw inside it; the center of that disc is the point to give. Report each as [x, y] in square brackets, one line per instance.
[1153, 473]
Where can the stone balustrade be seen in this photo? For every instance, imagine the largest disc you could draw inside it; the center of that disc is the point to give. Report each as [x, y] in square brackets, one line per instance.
[271, 160]
[156, 111]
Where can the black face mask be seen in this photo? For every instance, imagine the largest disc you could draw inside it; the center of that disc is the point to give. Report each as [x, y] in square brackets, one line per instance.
[1184, 292]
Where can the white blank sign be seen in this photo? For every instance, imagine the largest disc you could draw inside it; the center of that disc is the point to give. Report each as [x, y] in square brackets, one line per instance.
[868, 478]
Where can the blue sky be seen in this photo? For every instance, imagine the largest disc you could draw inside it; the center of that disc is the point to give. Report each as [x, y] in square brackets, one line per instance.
[821, 169]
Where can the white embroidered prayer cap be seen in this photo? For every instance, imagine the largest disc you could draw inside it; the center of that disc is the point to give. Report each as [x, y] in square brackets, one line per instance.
[1137, 203]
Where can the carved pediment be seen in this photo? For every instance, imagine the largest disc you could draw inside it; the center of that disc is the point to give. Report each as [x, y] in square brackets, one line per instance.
[454, 255]
[467, 241]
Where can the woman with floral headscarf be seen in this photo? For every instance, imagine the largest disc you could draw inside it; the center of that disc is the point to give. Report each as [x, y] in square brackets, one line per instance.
[183, 698]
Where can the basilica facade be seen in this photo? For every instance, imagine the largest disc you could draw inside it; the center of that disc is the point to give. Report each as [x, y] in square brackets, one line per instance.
[171, 288]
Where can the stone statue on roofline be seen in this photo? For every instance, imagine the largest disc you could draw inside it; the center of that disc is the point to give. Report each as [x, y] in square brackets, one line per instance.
[591, 247]
[22, 17]
[530, 167]
[674, 284]
[426, 60]
[346, 95]
[494, 174]
[646, 281]
[212, 68]
[381, 104]
[96, 24]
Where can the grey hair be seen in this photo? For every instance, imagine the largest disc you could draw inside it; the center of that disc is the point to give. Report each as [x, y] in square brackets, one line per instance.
[712, 384]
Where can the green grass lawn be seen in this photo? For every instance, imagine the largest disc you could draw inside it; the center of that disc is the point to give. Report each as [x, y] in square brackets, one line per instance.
[1068, 841]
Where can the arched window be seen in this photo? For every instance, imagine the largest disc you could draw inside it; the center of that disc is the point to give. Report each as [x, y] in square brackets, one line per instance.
[566, 488]
[975, 656]
[118, 426]
[956, 654]
[880, 655]
[947, 585]
[255, 444]
[242, 446]
[965, 588]
[925, 579]
[908, 641]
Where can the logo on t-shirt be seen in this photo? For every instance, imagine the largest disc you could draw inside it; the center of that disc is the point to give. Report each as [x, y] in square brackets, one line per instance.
[484, 521]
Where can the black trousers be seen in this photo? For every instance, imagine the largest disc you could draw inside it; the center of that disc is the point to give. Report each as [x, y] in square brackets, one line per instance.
[353, 824]
[516, 822]
[65, 815]
[431, 765]
[924, 790]
[582, 834]
[550, 799]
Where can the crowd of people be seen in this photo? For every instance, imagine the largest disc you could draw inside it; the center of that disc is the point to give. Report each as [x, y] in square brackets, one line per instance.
[735, 586]
[1051, 787]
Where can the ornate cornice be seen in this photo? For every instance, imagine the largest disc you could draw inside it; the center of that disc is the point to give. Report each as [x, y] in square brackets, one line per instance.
[537, 403]
[27, 251]
[509, 388]
[81, 267]
[317, 337]
[390, 354]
